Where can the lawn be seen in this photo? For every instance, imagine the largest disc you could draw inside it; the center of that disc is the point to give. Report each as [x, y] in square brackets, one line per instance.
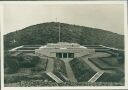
[102, 63]
[81, 70]
[114, 76]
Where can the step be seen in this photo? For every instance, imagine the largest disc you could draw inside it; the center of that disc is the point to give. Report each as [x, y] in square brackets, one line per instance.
[96, 76]
[54, 77]
[64, 77]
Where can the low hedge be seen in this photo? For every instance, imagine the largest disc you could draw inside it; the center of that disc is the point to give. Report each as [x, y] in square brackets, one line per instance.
[13, 78]
[39, 83]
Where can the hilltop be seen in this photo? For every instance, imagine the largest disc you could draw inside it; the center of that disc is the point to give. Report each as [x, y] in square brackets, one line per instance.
[101, 68]
[48, 33]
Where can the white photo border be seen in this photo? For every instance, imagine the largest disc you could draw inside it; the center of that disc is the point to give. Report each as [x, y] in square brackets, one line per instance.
[65, 2]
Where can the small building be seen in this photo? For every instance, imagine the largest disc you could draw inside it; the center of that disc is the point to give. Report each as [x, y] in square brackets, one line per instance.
[63, 50]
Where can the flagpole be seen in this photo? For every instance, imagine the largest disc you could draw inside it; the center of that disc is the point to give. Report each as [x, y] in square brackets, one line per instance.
[58, 28]
[59, 32]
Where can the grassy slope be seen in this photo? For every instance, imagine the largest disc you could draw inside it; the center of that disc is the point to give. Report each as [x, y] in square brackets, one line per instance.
[48, 33]
[81, 70]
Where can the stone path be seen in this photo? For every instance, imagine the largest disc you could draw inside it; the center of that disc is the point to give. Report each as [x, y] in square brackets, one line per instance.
[50, 65]
[70, 73]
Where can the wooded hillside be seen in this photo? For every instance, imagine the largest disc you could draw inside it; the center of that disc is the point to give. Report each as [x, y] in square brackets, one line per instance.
[48, 33]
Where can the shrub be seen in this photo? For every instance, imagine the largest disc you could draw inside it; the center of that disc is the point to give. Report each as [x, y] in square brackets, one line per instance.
[37, 69]
[14, 78]
[21, 77]
[28, 61]
[12, 65]
[39, 83]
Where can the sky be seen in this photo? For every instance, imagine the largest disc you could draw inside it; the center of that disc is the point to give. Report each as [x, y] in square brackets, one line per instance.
[0, 17]
[103, 16]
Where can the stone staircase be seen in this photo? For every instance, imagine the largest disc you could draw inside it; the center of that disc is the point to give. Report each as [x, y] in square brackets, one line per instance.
[95, 77]
[54, 77]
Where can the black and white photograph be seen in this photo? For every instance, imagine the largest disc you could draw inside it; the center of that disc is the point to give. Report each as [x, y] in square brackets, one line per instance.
[63, 0]
[55, 45]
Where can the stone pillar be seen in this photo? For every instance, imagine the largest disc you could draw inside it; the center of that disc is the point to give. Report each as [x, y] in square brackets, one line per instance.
[62, 55]
[67, 55]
